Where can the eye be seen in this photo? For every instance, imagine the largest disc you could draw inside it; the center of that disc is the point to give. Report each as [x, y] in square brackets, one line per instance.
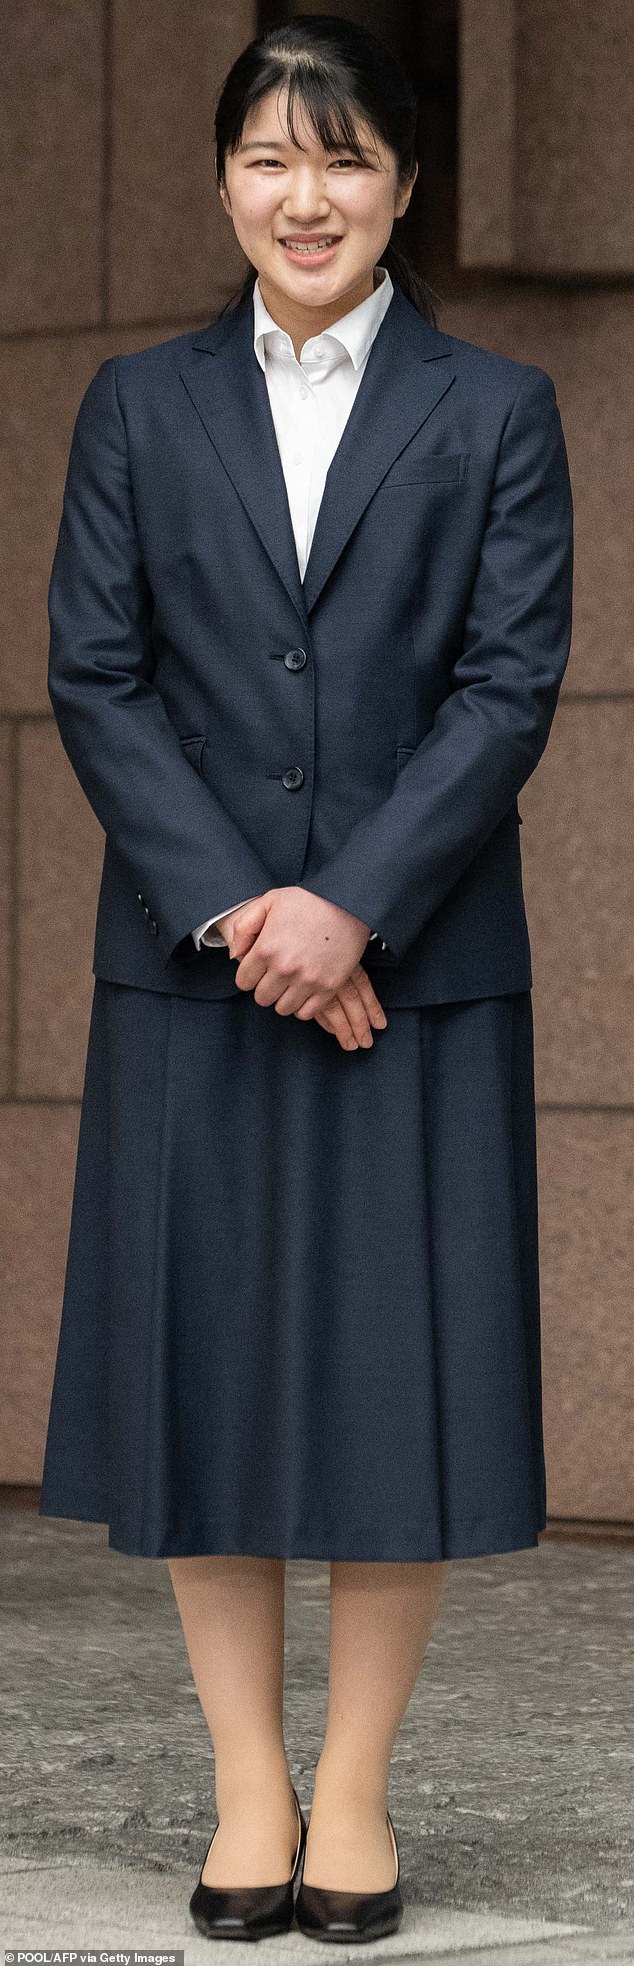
[258, 161]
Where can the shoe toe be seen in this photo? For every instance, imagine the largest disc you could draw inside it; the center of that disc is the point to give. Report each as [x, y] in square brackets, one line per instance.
[246, 1911]
[346, 1916]
[241, 1912]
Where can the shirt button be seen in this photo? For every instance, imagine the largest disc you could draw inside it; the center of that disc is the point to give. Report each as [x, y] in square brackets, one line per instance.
[318, 350]
[303, 391]
[297, 458]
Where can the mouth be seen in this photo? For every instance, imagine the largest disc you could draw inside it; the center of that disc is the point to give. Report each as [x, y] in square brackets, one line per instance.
[319, 247]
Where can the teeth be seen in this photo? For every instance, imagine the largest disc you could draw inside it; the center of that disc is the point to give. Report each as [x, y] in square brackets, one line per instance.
[304, 247]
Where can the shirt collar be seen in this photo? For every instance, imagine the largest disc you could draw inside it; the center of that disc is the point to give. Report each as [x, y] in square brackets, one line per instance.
[353, 334]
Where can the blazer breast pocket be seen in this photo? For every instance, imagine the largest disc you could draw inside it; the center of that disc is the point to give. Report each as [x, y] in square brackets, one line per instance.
[448, 468]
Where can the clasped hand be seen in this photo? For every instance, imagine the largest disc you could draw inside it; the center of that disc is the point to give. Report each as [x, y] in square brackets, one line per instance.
[301, 953]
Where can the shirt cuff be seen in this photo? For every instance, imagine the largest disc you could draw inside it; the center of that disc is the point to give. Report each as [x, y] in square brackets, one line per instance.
[217, 941]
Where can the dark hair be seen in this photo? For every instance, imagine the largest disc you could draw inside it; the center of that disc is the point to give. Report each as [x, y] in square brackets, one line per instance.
[337, 69]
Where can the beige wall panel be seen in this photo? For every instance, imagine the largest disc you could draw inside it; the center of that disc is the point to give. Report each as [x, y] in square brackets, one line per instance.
[546, 184]
[41, 385]
[51, 137]
[578, 872]
[59, 865]
[486, 146]
[585, 342]
[172, 246]
[574, 160]
[37, 1161]
[586, 1182]
[6, 872]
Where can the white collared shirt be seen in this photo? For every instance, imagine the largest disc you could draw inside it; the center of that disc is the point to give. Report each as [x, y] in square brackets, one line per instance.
[310, 400]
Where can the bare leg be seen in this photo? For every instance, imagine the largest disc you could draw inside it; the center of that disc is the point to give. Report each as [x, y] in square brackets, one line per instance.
[380, 1623]
[232, 1614]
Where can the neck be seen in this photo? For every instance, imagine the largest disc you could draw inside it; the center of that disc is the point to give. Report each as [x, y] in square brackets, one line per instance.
[303, 322]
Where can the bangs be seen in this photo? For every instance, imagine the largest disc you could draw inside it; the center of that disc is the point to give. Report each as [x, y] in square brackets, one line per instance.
[327, 107]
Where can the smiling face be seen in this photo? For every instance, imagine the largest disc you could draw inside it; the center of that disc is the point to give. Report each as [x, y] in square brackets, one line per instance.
[276, 190]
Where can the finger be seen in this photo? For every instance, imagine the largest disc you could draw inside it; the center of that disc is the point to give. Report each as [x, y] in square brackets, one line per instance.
[273, 993]
[346, 1012]
[332, 1017]
[324, 1018]
[340, 1025]
[318, 1005]
[242, 935]
[356, 1013]
[312, 1006]
[374, 1009]
[292, 1000]
[250, 971]
[241, 939]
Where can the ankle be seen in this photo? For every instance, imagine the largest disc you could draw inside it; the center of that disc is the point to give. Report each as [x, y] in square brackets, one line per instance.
[263, 1784]
[344, 1783]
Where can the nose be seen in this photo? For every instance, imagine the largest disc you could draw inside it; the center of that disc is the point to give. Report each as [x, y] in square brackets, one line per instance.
[308, 178]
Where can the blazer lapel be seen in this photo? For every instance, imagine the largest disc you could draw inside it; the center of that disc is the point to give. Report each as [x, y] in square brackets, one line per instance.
[231, 397]
[407, 372]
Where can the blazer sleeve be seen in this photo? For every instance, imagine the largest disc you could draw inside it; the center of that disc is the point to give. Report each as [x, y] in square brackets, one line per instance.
[183, 851]
[401, 859]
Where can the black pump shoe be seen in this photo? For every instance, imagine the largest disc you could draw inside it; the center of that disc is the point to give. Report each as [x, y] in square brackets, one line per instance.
[347, 1916]
[246, 1911]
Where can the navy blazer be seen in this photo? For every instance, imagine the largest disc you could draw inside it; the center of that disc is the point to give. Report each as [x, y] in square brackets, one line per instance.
[364, 733]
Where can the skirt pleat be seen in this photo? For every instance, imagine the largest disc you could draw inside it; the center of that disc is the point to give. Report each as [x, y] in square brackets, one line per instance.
[301, 1309]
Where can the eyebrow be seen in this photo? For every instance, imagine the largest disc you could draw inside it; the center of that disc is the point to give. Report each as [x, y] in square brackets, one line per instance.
[272, 143]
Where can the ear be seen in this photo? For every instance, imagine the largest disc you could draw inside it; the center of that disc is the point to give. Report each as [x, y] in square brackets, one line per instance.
[404, 193]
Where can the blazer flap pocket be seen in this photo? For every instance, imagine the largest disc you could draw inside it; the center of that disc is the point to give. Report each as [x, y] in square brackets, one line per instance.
[437, 468]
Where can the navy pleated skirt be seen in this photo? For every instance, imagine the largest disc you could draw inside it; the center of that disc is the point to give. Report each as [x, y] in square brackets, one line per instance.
[301, 1307]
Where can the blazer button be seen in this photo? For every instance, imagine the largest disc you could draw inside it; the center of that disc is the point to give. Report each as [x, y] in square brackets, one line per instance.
[295, 659]
[293, 778]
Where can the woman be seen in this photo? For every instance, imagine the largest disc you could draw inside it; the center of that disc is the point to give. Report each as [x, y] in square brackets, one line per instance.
[310, 613]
